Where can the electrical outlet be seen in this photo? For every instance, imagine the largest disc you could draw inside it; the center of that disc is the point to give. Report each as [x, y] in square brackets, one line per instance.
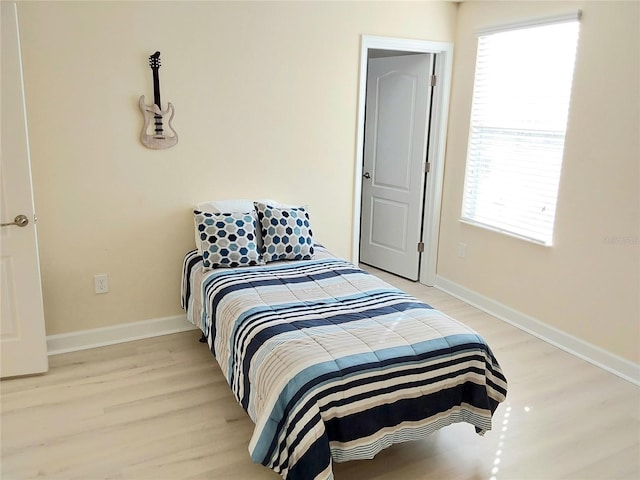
[101, 283]
[462, 250]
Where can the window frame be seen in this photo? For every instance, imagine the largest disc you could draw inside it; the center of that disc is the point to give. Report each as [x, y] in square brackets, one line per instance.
[504, 28]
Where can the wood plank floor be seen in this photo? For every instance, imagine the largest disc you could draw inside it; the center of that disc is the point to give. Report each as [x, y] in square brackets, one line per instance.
[160, 409]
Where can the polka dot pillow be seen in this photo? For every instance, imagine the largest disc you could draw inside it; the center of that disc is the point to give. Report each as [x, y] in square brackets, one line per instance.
[286, 233]
[228, 239]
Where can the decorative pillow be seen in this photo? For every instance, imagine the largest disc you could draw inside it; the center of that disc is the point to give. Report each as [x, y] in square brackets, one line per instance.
[286, 233]
[228, 239]
[221, 206]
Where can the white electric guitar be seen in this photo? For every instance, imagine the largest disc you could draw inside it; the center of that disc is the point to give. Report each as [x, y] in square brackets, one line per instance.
[157, 140]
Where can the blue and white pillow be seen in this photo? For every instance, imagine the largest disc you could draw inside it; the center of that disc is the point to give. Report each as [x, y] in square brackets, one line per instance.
[228, 239]
[286, 233]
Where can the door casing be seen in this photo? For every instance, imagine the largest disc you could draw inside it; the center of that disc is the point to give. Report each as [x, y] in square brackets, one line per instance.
[437, 142]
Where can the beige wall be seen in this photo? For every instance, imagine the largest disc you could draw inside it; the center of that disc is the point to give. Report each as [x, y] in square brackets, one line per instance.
[587, 283]
[266, 102]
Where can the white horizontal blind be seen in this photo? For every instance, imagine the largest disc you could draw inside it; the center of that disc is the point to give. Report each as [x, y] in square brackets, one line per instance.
[518, 122]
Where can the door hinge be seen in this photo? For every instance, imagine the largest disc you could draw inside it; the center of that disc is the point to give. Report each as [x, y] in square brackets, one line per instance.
[420, 247]
[427, 167]
[433, 80]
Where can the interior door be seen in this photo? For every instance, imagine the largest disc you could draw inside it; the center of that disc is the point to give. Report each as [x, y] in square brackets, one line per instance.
[22, 332]
[395, 147]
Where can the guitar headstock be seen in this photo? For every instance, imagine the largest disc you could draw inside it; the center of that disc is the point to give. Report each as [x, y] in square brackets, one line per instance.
[154, 60]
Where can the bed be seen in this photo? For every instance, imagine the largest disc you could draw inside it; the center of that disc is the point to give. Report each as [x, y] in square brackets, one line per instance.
[333, 364]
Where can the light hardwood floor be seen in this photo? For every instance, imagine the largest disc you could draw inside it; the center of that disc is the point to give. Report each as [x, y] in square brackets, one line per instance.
[160, 409]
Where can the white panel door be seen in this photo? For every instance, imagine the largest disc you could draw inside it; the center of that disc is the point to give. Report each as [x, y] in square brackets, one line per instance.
[22, 332]
[395, 147]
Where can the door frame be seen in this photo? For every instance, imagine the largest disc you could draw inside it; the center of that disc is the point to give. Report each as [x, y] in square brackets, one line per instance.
[437, 143]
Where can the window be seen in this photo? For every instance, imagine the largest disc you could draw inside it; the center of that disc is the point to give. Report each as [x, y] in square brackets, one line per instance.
[518, 122]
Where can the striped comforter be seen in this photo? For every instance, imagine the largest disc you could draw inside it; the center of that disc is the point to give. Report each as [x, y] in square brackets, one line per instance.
[333, 364]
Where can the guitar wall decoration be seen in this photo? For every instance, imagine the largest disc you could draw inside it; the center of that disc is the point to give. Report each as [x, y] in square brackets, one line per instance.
[158, 139]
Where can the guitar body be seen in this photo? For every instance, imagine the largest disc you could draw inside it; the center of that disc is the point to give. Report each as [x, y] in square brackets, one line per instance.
[154, 116]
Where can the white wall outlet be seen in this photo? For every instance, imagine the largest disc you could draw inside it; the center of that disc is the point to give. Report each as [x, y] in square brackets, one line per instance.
[462, 250]
[101, 283]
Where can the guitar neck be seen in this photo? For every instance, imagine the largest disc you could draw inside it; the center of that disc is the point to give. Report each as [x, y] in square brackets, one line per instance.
[157, 101]
[156, 88]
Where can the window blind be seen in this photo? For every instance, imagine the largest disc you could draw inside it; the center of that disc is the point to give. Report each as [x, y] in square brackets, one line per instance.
[518, 122]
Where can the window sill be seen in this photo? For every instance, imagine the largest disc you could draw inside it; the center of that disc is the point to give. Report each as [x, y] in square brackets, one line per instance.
[508, 233]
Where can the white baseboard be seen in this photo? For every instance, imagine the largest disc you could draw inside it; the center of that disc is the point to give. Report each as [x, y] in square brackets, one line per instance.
[584, 350]
[126, 332]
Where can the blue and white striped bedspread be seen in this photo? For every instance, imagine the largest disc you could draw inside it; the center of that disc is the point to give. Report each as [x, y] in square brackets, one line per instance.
[333, 364]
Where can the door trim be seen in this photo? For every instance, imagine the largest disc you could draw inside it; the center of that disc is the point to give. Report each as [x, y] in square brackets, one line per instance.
[437, 143]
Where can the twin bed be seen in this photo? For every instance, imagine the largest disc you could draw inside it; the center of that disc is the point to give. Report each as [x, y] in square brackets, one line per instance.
[329, 362]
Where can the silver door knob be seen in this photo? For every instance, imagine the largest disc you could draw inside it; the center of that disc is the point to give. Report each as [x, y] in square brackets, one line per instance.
[367, 175]
[20, 221]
